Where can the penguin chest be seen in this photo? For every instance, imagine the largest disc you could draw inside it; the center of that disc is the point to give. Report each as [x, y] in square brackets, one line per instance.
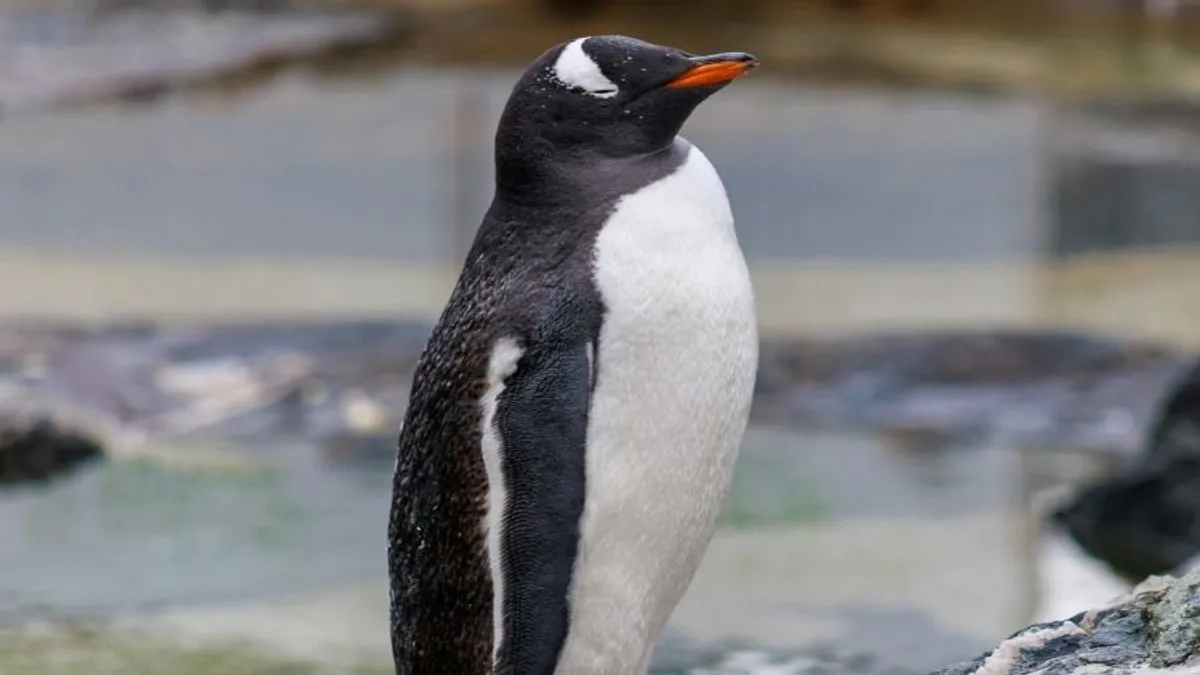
[677, 358]
[678, 350]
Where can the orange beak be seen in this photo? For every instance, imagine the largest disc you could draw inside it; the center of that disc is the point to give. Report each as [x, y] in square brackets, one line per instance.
[717, 71]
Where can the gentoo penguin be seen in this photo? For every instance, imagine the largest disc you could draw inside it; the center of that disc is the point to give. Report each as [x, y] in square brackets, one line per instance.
[574, 420]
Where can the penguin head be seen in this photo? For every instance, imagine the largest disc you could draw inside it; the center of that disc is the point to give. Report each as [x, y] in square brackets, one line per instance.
[611, 96]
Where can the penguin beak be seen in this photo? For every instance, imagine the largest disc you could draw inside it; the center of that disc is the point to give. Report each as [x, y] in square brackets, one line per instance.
[714, 70]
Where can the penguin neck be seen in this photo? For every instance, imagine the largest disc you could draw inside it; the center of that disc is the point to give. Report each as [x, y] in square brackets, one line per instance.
[545, 178]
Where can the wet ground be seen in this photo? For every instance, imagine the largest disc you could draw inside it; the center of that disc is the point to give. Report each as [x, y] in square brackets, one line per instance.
[859, 211]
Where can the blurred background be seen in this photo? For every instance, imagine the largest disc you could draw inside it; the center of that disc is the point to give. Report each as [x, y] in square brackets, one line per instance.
[227, 226]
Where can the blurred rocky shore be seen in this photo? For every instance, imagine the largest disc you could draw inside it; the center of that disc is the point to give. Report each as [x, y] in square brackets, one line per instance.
[342, 380]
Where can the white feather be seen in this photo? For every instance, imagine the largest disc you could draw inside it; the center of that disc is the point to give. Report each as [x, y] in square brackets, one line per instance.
[502, 363]
[575, 69]
[678, 354]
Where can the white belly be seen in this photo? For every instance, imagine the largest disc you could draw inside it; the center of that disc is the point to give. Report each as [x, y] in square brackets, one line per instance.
[678, 355]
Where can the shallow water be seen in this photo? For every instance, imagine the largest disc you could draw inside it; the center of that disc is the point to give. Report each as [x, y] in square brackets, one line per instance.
[138, 534]
[826, 538]
[364, 172]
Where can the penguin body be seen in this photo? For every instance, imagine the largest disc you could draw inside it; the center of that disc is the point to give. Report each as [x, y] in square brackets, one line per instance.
[575, 418]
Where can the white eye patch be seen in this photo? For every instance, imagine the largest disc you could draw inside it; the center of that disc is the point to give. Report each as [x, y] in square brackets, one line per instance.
[575, 69]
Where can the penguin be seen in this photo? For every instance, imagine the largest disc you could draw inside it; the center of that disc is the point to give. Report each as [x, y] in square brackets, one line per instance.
[574, 420]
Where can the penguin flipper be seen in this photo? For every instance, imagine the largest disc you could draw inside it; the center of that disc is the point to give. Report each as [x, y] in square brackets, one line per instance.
[542, 419]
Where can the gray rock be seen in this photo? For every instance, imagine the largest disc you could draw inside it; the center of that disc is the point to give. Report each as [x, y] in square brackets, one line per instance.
[35, 451]
[1155, 629]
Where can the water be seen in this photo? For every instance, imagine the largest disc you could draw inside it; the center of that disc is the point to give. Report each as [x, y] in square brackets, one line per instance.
[817, 174]
[826, 538]
[140, 534]
[855, 207]
[858, 211]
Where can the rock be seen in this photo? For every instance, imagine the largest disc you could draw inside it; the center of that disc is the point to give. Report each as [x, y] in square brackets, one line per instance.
[247, 382]
[970, 387]
[327, 378]
[39, 450]
[1141, 521]
[1154, 629]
